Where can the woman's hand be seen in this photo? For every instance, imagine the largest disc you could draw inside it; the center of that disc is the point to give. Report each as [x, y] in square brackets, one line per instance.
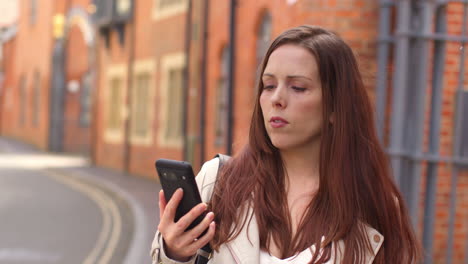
[181, 245]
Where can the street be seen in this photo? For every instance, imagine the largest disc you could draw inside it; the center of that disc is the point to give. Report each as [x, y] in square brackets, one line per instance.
[49, 216]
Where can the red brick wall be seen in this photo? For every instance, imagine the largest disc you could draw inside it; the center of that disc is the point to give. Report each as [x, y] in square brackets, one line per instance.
[153, 40]
[34, 43]
[353, 25]
[29, 59]
[108, 155]
[168, 35]
[8, 96]
[451, 77]
[356, 21]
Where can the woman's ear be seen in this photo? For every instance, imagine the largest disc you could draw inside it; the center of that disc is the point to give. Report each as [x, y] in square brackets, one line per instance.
[332, 118]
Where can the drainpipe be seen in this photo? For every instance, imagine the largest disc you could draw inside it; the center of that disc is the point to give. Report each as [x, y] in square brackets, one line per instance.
[383, 51]
[203, 81]
[2, 85]
[95, 67]
[131, 59]
[188, 35]
[400, 84]
[231, 75]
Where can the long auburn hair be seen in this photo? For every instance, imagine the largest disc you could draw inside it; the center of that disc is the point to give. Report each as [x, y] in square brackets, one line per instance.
[355, 180]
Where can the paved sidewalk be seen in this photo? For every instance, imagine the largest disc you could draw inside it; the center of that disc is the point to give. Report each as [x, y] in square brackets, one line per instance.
[141, 194]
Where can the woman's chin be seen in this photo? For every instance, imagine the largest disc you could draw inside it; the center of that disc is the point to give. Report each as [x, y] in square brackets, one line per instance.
[281, 145]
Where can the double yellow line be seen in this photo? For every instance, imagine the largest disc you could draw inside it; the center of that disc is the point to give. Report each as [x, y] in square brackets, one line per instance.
[112, 221]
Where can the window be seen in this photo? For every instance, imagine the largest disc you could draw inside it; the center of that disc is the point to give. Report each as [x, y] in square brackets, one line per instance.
[222, 100]
[166, 8]
[168, 3]
[114, 120]
[85, 100]
[22, 97]
[174, 108]
[263, 38]
[33, 11]
[115, 111]
[36, 99]
[142, 102]
[140, 108]
[172, 100]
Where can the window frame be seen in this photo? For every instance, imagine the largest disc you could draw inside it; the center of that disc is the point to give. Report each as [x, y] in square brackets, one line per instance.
[159, 13]
[143, 67]
[22, 93]
[36, 99]
[168, 62]
[222, 97]
[261, 46]
[85, 114]
[115, 135]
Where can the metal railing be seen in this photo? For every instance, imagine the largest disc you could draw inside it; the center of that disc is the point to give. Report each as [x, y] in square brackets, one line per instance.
[417, 46]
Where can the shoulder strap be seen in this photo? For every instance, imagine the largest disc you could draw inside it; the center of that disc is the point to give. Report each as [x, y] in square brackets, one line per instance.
[222, 159]
[204, 254]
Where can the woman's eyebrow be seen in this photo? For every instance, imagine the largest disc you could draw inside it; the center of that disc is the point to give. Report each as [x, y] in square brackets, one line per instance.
[268, 75]
[289, 76]
[298, 76]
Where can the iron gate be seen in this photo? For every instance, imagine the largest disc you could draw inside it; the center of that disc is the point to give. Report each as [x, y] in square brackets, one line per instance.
[411, 91]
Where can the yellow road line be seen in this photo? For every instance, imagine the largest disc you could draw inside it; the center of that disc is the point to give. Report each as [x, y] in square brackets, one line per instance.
[100, 243]
[111, 217]
[115, 234]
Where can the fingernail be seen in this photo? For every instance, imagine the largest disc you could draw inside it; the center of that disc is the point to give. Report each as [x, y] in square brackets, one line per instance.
[210, 215]
[213, 224]
[203, 207]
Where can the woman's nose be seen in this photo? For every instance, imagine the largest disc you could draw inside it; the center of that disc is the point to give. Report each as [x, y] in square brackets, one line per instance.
[278, 99]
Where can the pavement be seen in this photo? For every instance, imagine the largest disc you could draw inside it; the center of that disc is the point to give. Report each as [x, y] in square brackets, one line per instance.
[136, 198]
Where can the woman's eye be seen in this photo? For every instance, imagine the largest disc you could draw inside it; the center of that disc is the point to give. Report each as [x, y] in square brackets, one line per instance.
[268, 87]
[298, 89]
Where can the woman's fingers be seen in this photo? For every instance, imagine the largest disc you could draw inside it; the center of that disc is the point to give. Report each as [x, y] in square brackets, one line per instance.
[171, 206]
[162, 204]
[181, 244]
[189, 217]
[195, 232]
[205, 239]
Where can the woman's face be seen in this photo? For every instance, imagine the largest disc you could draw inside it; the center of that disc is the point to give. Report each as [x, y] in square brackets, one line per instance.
[291, 99]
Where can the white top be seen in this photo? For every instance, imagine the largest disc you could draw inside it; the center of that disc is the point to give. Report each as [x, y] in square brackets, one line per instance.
[301, 258]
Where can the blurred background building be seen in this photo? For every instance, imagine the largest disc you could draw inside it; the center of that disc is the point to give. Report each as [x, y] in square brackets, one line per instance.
[126, 82]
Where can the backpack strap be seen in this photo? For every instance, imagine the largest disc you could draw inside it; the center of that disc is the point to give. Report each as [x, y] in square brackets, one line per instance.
[204, 254]
[222, 159]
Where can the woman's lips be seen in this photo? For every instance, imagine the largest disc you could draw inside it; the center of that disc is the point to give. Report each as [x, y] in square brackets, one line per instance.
[278, 122]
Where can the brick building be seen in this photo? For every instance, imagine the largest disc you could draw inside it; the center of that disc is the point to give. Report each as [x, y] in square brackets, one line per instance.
[30, 56]
[7, 68]
[141, 64]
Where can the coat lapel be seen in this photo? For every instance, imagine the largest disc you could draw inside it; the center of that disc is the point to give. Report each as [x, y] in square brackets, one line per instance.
[246, 247]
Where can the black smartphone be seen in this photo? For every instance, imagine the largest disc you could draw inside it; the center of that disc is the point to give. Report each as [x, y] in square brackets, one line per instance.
[174, 174]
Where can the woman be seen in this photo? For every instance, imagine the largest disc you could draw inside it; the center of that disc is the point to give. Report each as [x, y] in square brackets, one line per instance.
[312, 185]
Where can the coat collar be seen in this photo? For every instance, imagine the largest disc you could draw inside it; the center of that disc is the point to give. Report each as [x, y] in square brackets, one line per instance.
[245, 248]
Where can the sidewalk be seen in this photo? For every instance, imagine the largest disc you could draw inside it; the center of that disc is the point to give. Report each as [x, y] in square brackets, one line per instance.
[141, 194]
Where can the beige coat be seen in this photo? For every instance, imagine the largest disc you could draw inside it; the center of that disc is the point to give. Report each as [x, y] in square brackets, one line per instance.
[245, 249]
